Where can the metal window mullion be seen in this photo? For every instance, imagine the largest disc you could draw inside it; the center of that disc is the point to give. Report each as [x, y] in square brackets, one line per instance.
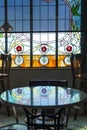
[6, 19]
[31, 32]
[56, 33]
[22, 17]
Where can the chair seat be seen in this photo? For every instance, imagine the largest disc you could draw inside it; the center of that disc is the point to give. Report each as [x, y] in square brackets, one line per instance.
[81, 76]
[3, 75]
[77, 107]
[46, 119]
[15, 126]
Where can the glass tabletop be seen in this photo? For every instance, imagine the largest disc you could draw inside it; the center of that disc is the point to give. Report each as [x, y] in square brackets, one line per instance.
[43, 96]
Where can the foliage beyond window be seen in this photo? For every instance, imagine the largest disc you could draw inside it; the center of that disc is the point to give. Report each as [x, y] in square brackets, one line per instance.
[40, 33]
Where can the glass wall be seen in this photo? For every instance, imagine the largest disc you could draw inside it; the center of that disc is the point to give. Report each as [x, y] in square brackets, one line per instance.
[40, 33]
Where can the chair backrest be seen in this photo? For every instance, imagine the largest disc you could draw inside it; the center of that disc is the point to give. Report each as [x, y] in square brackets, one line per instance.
[5, 69]
[33, 83]
[77, 64]
[6, 63]
[62, 83]
[32, 123]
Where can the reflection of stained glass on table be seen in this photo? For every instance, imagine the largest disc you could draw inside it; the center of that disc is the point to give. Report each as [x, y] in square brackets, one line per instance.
[75, 96]
[43, 94]
[63, 96]
[19, 94]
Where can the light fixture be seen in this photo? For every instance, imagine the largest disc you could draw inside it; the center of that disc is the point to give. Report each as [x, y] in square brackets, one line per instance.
[6, 27]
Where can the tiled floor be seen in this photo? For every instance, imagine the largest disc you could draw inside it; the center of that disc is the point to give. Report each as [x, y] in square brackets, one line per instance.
[80, 124]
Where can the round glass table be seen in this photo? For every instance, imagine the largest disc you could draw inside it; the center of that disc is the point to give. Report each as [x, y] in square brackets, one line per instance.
[43, 96]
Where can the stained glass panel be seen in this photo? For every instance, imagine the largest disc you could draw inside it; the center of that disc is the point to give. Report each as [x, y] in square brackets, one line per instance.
[68, 42]
[44, 50]
[19, 47]
[2, 43]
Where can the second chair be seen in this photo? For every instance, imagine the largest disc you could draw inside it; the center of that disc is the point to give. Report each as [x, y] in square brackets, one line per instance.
[6, 61]
[63, 83]
[78, 75]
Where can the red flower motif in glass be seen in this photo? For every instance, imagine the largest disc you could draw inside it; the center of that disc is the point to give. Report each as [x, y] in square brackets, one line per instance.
[69, 48]
[43, 48]
[19, 48]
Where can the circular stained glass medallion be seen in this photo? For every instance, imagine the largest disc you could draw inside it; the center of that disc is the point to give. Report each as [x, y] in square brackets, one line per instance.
[67, 60]
[19, 60]
[44, 60]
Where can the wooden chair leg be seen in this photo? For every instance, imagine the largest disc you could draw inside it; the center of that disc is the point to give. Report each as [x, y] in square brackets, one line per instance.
[8, 110]
[15, 113]
[76, 113]
[68, 115]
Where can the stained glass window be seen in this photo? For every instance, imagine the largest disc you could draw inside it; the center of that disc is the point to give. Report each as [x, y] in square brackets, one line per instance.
[40, 33]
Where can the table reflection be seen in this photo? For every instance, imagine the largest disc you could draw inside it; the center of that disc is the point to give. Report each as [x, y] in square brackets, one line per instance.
[43, 96]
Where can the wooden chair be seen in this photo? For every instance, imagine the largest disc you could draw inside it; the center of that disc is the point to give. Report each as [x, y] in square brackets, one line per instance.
[77, 65]
[5, 74]
[33, 83]
[33, 124]
[14, 126]
[78, 75]
[5, 71]
[6, 61]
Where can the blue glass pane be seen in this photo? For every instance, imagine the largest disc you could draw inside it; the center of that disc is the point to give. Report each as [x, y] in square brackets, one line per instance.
[44, 25]
[36, 13]
[52, 25]
[36, 2]
[62, 25]
[10, 2]
[61, 13]
[44, 12]
[2, 17]
[26, 13]
[52, 12]
[36, 25]
[61, 1]
[11, 22]
[18, 2]
[27, 2]
[68, 13]
[50, 2]
[1, 2]
[26, 25]
[11, 13]
[18, 25]
[18, 12]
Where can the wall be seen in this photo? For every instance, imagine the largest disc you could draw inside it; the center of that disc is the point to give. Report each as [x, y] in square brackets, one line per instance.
[21, 77]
